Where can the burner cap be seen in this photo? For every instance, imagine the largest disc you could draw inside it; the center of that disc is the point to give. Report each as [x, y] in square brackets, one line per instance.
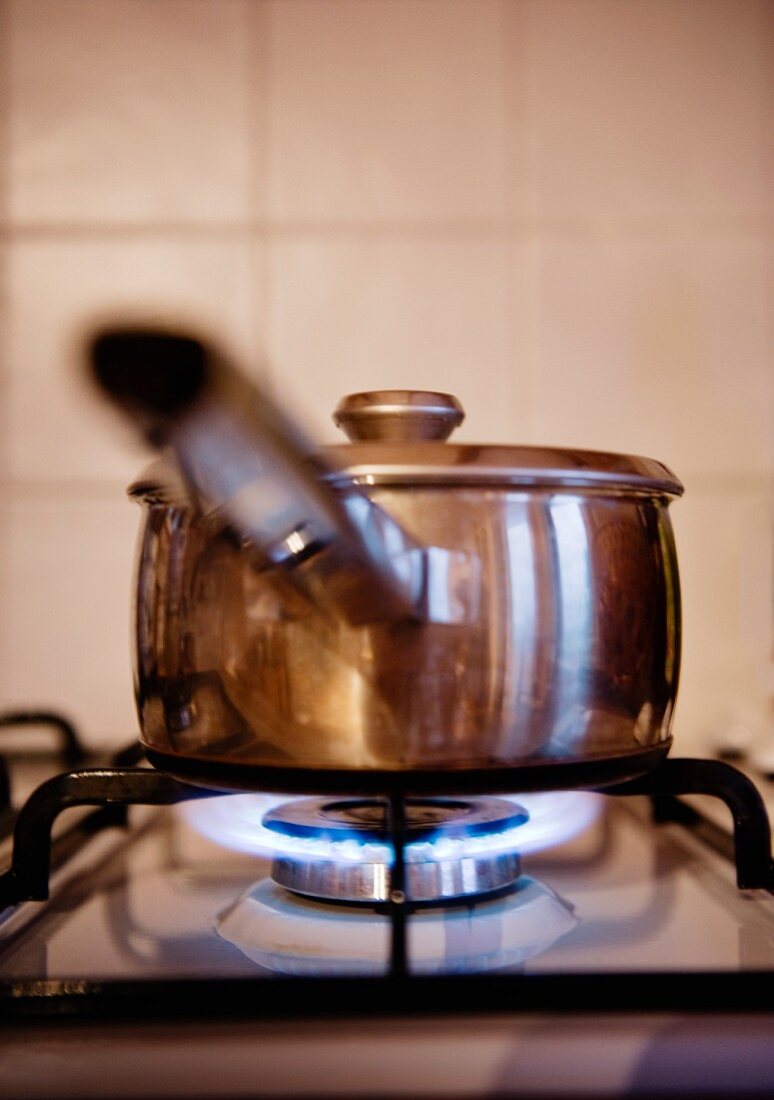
[439, 866]
[365, 818]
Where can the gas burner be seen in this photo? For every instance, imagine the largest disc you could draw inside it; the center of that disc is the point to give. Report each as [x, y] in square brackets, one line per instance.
[349, 852]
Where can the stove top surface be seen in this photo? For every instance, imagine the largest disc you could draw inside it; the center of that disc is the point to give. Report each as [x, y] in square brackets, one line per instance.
[160, 900]
[622, 959]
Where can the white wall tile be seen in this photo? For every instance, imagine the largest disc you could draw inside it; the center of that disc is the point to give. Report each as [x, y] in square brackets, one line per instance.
[358, 314]
[66, 594]
[646, 108]
[58, 428]
[725, 544]
[128, 111]
[659, 347]
[519, 132]
[387, 110]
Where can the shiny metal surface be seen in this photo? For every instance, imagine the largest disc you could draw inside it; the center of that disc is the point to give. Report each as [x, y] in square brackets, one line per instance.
[399, 415]
[388, 608]
[454, 465]
[345, 852]
[432, 880]
[574, 652]
[465, 466]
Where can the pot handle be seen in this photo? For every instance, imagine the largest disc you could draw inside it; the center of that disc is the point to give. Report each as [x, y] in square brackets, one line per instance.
[243, 458]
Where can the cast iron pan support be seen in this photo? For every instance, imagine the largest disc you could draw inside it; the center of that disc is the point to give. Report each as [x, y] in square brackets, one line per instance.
[70, 750]
[113, 789]
[751, 849]
[397, 907]
[110, 788]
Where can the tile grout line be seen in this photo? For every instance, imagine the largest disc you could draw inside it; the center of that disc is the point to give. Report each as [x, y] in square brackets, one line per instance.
[269, 341]
[521, 348]
[532, 242]
[257, 91]
[5, 298]
[592, 229]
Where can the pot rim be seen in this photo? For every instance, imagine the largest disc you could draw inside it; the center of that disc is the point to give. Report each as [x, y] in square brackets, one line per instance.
[453, 465]
[457, 464]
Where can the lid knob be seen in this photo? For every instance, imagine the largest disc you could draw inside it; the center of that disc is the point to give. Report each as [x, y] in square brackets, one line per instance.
[398, 416]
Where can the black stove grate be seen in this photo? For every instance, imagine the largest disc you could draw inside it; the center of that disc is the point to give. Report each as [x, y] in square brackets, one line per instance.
[111, 789]
[116, 787]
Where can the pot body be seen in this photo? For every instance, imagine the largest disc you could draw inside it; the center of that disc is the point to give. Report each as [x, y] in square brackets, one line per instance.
[568, 651]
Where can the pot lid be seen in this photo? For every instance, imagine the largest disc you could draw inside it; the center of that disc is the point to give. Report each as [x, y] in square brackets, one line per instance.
[398, 439]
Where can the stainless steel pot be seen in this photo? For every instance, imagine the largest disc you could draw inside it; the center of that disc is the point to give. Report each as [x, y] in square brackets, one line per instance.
[396, 610]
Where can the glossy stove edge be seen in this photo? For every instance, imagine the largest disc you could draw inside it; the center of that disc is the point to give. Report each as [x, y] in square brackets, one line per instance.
[560, 1056]
[291, 998]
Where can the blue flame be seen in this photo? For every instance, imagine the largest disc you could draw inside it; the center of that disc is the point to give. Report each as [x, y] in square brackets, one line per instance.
[235, 821]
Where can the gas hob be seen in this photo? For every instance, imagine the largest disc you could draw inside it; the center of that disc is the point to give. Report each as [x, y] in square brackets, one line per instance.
[592, 950]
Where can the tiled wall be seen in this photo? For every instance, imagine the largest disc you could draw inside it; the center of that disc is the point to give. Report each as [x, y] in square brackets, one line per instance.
[558, 209]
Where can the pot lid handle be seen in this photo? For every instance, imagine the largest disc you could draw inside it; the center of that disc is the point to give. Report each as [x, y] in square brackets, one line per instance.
[398, 416]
